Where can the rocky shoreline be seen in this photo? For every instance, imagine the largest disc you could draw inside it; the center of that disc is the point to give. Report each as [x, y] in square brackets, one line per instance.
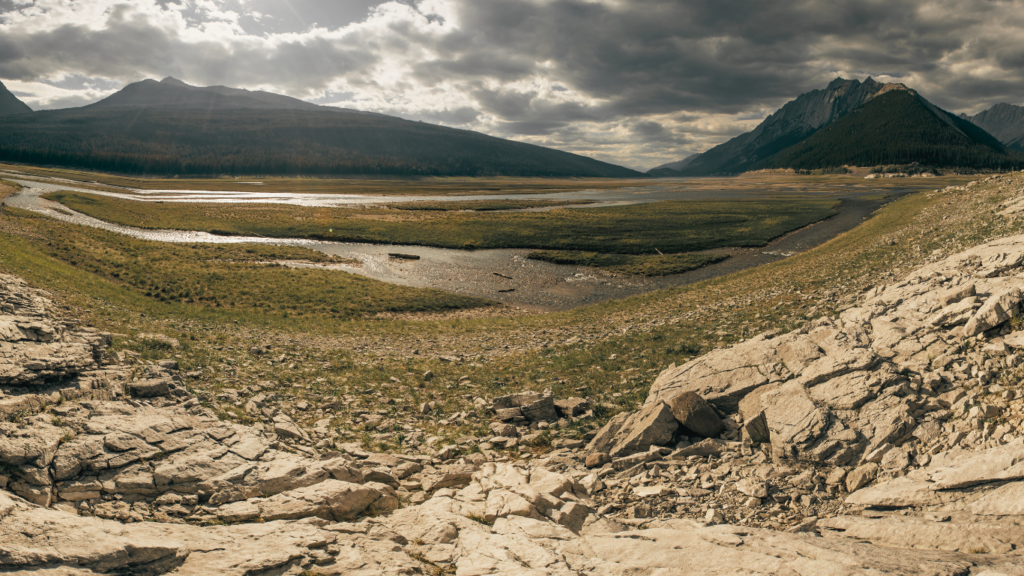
[885, 440]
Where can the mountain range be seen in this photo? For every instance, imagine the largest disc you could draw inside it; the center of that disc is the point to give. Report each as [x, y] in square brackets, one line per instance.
[169, 127]
[864, 124]
[1004, 121]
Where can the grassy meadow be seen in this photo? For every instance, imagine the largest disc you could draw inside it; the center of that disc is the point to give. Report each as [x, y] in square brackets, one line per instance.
[227, 281]
[666, 227]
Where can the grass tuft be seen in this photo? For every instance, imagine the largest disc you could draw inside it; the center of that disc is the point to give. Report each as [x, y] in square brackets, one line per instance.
[639, 265]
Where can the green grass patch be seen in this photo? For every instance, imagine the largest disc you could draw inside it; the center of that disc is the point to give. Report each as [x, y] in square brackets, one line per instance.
[216, 281]
[639, 265]
[669, 227]
[485, 205]
[376, 186]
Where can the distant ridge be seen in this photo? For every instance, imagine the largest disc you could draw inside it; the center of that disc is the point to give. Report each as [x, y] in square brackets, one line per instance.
[791, 124]
[672, 168]
[10, 104]
[169, 127]
[1004, 121]
[898, 127]
[173, 93]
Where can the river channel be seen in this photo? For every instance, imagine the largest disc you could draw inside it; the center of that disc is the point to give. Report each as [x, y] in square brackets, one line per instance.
[504, 275]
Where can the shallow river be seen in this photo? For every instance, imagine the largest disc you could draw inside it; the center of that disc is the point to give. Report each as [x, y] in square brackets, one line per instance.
[503, 275]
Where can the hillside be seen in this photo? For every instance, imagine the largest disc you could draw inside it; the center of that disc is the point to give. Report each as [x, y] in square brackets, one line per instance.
[898, 127]
[9, 103]
[188, 442]
[1004, 121]
[792, 123]
[170, 128]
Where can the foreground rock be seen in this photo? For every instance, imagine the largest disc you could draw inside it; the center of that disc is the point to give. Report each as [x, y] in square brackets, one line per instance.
[888, 381]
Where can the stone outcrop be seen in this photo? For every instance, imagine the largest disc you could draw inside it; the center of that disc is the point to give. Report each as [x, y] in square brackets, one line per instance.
[36, 347]
[878, 376]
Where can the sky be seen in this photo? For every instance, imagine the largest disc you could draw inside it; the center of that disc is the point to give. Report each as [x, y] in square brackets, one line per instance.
[633, 82]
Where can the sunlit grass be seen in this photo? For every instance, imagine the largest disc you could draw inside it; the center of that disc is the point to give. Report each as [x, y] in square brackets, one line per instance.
[209, 280]
[658, 227]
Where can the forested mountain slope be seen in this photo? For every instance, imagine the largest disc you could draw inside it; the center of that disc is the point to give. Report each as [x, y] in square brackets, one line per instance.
[898, 127]
[167, 128]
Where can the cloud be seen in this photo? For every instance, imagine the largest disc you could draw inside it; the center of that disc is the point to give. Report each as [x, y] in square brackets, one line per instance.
[636, 82]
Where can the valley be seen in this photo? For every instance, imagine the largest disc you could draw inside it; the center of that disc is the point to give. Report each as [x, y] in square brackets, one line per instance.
[700, 228]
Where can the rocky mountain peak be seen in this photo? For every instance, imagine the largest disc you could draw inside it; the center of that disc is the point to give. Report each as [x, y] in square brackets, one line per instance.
[791, 124]
[884, 88]
[1004, 121]
[840, 82]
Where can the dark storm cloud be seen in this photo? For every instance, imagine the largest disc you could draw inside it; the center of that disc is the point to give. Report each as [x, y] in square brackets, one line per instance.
[131, 46]
[724, 56]
[611, 77]
[658, 57]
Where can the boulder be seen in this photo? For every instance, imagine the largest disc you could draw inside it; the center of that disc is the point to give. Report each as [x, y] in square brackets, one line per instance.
[241, 511]
[504, 430]
[695, 415]
[1015, 339]
[572, 407]
[541, 410]
[516, 400]
[999, 308]
[652, 425]
[1006, 500]
[605, 438]
[286, 428]
[954, 314]
[861, 476]
[723, 377]
[287, 472]
[151, 387]
[529, 405]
